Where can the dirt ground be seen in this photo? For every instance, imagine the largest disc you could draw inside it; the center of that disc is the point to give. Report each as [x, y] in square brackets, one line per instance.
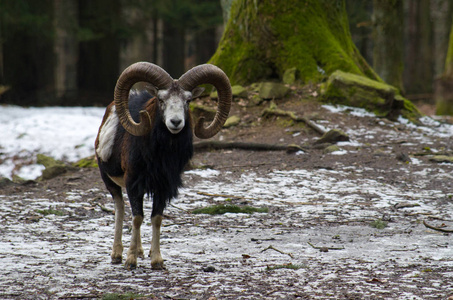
[348, 224]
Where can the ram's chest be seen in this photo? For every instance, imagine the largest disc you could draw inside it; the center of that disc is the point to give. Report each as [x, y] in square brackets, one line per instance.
[107, 135]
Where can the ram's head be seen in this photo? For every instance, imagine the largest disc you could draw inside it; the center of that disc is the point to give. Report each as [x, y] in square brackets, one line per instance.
[174, 96]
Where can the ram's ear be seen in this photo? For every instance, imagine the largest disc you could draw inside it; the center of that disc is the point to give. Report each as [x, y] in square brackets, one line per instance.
[196, 92]
[151, 89]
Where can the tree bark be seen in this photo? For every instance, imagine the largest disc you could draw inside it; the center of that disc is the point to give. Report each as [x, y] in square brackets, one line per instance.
[418, 73]
[174, 49]
[263, 39]
[444, 84]
[66, 49]
[388, 41]
[441, 12]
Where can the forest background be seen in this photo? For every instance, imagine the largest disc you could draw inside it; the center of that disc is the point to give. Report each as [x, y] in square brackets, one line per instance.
[70, 52]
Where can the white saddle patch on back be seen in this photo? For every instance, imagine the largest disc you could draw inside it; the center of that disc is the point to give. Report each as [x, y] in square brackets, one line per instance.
[107, 136]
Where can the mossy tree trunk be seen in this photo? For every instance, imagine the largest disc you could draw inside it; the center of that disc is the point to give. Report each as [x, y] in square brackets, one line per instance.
[388, 41]
[444, 84]
[262, 39]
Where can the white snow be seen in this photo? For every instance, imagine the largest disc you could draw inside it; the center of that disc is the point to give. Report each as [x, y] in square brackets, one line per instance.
[65, 133]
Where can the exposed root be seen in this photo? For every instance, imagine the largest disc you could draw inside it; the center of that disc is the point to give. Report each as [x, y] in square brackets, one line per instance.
[274, 111]
[218, 145]
[437, 228]
[279, 251]
[325, 249]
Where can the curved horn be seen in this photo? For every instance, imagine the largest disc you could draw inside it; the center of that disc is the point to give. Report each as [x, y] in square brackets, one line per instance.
[213, 75]
[141, 71]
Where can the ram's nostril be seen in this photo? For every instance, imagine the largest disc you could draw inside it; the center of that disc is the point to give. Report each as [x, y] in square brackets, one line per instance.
[176, 122]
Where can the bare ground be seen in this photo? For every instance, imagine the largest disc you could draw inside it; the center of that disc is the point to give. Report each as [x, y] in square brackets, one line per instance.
[321, 239]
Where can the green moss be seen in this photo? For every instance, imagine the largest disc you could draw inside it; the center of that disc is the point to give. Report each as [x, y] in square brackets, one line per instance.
[285, 266]
[126, 296]
[228, 208]
[87, 162]
[359, 91]
[263, 39]
[378, 224]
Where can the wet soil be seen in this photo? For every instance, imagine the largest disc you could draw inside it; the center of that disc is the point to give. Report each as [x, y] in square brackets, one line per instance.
[342, 225]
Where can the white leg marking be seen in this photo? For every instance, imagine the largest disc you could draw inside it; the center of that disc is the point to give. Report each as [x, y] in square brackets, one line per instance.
[156, 258]
[107, 136]
[117, 251]
[131, 261]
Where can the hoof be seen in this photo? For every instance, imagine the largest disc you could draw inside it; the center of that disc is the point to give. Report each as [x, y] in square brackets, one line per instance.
[158, 266]
[131, 263]
[130, 266]
[117, 260]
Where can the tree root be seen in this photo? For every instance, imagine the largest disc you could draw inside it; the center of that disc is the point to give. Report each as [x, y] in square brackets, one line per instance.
[325, 249]
[217, 145]
[279, 251]
[274, 111]
[437, 228]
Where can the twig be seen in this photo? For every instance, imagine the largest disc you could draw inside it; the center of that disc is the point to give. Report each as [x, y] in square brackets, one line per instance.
[87, 296]
[249, 198]
[225, 196]
[184, 210]
[279, 251]
[436, 228]
[284, 113]
[401, 250]
[107, 210]
[218, 145]
[325, 249]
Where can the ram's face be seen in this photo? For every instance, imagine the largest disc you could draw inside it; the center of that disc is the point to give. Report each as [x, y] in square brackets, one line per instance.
[174, 106]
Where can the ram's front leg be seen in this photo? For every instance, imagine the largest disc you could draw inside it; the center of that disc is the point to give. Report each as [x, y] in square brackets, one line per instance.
[136, 246]
[157, 262]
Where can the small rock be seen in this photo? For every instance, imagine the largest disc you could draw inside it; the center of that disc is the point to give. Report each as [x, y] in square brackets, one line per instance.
[273, 90]
[442, 159]
[209, 269]
[331, 148]
[290, 76]
[202, 111]
[403, 157]
[333, 136]
[232, 121]
[238, 91]
[5, 182]
[53, 167]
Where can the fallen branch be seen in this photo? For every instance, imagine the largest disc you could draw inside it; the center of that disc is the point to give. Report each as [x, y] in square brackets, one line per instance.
[279, 251]
[249, 198]
[274, 111]
[436, 228]
[225, 196]
[107, 210]
[325, 249]
[218, 145]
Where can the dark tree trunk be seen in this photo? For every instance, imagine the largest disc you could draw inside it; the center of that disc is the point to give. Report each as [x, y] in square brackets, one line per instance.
[441, 12]
[444, 84]
[66, 50]
[174, 49]
[206, 45]
[388, 41]
[418, 72]
[99, 51]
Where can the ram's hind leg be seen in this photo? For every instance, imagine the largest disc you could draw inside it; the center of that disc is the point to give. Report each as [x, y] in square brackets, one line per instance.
[117, 251]
[115, 191]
